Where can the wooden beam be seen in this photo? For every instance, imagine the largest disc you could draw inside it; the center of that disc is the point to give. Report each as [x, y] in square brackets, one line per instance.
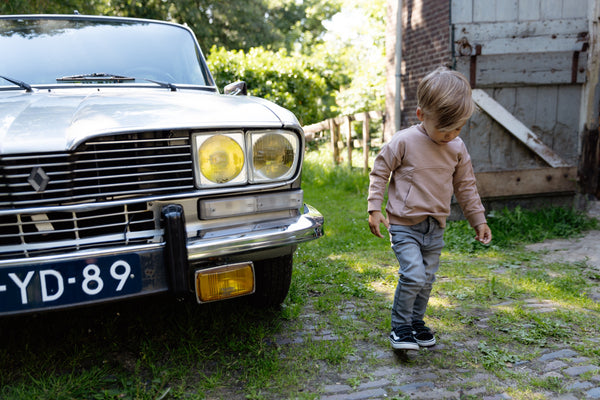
[527, 182]
[526, 69]
[540, 36]
[517, 128]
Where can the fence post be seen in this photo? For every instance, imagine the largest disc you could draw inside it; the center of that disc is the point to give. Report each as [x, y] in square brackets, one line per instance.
[366, 140]
[349, 140]
[334, 141]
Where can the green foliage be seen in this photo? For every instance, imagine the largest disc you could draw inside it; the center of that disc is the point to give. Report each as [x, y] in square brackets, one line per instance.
[230, 24]
[290, 81]
[520, 226]
[357, 42]
[493, 357]
[528, 226]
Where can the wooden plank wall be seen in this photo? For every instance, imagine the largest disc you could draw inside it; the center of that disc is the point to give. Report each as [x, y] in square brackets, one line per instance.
[530, 56]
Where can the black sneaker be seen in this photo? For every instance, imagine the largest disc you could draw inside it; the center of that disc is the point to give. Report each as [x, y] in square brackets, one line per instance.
[402, 338]
[422, 334]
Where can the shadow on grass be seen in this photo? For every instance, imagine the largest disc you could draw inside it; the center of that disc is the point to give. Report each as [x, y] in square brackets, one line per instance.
[148, 338]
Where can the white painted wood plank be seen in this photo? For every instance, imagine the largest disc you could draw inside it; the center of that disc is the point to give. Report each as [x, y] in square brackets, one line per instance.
[527, 69]
[517, 128]
[484, 11]
[551, 9]
[575, 9]
[567, 122]
[530, 45]
[545, 117]
[507, 10]
[461, 11]
[529, 10]
[525, 97]
[484, 31]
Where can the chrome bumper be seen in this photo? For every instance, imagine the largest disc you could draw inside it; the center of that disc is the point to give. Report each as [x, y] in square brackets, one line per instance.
[308, 226]
[158, 272]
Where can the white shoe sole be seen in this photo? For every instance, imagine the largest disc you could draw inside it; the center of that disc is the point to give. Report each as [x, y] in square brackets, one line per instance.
[403, 345]
[426, 343]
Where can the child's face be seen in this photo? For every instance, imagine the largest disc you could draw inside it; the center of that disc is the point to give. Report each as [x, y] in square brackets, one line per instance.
[439, 137]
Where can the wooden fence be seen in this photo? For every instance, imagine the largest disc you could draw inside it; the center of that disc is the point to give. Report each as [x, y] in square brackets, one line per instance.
[340, 129]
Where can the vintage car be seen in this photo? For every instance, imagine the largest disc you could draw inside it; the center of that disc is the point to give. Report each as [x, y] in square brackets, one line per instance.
[125, 172]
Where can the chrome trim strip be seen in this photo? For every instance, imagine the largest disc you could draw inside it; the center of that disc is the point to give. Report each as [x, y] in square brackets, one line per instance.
[306, 227]
[92, 253]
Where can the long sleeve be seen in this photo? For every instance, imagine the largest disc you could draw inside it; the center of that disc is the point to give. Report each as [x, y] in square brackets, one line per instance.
[465, 190]
[386, 161]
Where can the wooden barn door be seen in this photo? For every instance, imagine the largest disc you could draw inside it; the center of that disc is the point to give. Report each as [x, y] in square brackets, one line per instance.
[528, 59]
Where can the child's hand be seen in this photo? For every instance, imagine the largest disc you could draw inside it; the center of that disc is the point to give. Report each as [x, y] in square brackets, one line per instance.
[375, 219]
[484, 233]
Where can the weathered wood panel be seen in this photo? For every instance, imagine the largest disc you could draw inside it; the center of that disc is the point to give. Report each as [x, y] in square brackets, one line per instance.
[527, 182]
[517, 128]
[525, 37]
[524, 69]
[551, 112]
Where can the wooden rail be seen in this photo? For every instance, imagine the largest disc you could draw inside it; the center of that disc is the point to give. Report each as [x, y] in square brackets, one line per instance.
[335, 125]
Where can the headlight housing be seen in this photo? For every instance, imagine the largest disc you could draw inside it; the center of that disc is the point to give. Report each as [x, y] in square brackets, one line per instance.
[238, 158]
[274, 156]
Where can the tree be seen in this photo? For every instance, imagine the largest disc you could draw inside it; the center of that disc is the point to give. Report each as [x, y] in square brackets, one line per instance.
[231, 24]
[355, 42]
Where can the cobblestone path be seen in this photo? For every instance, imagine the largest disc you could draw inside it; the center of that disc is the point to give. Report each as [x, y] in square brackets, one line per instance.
[377, 372]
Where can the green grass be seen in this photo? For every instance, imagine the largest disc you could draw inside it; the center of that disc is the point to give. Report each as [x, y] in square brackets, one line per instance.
[343, 283]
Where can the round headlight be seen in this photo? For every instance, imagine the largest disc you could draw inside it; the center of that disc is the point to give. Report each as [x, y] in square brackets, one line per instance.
[221, 159]
[273, 156]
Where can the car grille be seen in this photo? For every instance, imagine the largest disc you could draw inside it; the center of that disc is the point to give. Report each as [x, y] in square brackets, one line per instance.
[110, 168]
[102, 169]
[28, 235]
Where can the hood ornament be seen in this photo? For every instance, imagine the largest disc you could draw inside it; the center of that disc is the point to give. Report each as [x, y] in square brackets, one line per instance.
[38, 179]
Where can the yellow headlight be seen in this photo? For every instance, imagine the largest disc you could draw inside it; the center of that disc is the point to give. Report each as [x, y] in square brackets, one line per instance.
[273, 156]
[221, 158]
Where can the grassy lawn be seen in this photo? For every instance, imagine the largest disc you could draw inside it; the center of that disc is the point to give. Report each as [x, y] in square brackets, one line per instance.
[160, 348]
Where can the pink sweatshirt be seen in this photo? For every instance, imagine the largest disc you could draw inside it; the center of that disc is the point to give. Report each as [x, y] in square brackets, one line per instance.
[424, 175]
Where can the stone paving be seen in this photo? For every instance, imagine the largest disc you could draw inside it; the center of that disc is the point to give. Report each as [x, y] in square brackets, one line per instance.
[400, 375]
[377, 372]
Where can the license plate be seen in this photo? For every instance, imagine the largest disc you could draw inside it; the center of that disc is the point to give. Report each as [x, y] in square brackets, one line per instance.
[69, 282]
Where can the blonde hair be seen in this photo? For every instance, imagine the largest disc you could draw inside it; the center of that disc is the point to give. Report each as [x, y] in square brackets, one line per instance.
[444, 96]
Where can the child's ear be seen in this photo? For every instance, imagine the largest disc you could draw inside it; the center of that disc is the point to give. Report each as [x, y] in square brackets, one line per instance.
[420, 114]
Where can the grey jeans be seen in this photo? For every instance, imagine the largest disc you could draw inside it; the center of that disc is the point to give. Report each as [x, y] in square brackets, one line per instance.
[418, 248]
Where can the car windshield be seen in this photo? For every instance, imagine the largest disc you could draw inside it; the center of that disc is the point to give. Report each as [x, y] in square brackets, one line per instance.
[40, 50]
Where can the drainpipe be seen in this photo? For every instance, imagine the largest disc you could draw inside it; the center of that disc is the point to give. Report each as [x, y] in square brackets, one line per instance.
[398, 95]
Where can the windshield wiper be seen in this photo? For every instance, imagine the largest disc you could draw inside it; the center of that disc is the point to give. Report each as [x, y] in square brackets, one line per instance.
[95, 77]
[100, 76]
[19, 83]
[167, 85]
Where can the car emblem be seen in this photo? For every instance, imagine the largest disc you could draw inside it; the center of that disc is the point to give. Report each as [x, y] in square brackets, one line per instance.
[38, 179]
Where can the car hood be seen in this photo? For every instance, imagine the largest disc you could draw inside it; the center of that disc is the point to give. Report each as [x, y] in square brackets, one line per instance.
[60, 119]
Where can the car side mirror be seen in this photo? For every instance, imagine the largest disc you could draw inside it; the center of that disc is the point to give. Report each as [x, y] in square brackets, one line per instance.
[238, 88]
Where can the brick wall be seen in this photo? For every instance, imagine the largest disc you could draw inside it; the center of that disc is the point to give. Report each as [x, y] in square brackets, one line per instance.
[425, 46]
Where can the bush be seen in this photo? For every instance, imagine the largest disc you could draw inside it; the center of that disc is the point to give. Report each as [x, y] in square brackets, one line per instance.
[290, 81]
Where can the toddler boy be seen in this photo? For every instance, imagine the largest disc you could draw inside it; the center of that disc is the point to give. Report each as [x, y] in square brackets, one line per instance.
[425, 164]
